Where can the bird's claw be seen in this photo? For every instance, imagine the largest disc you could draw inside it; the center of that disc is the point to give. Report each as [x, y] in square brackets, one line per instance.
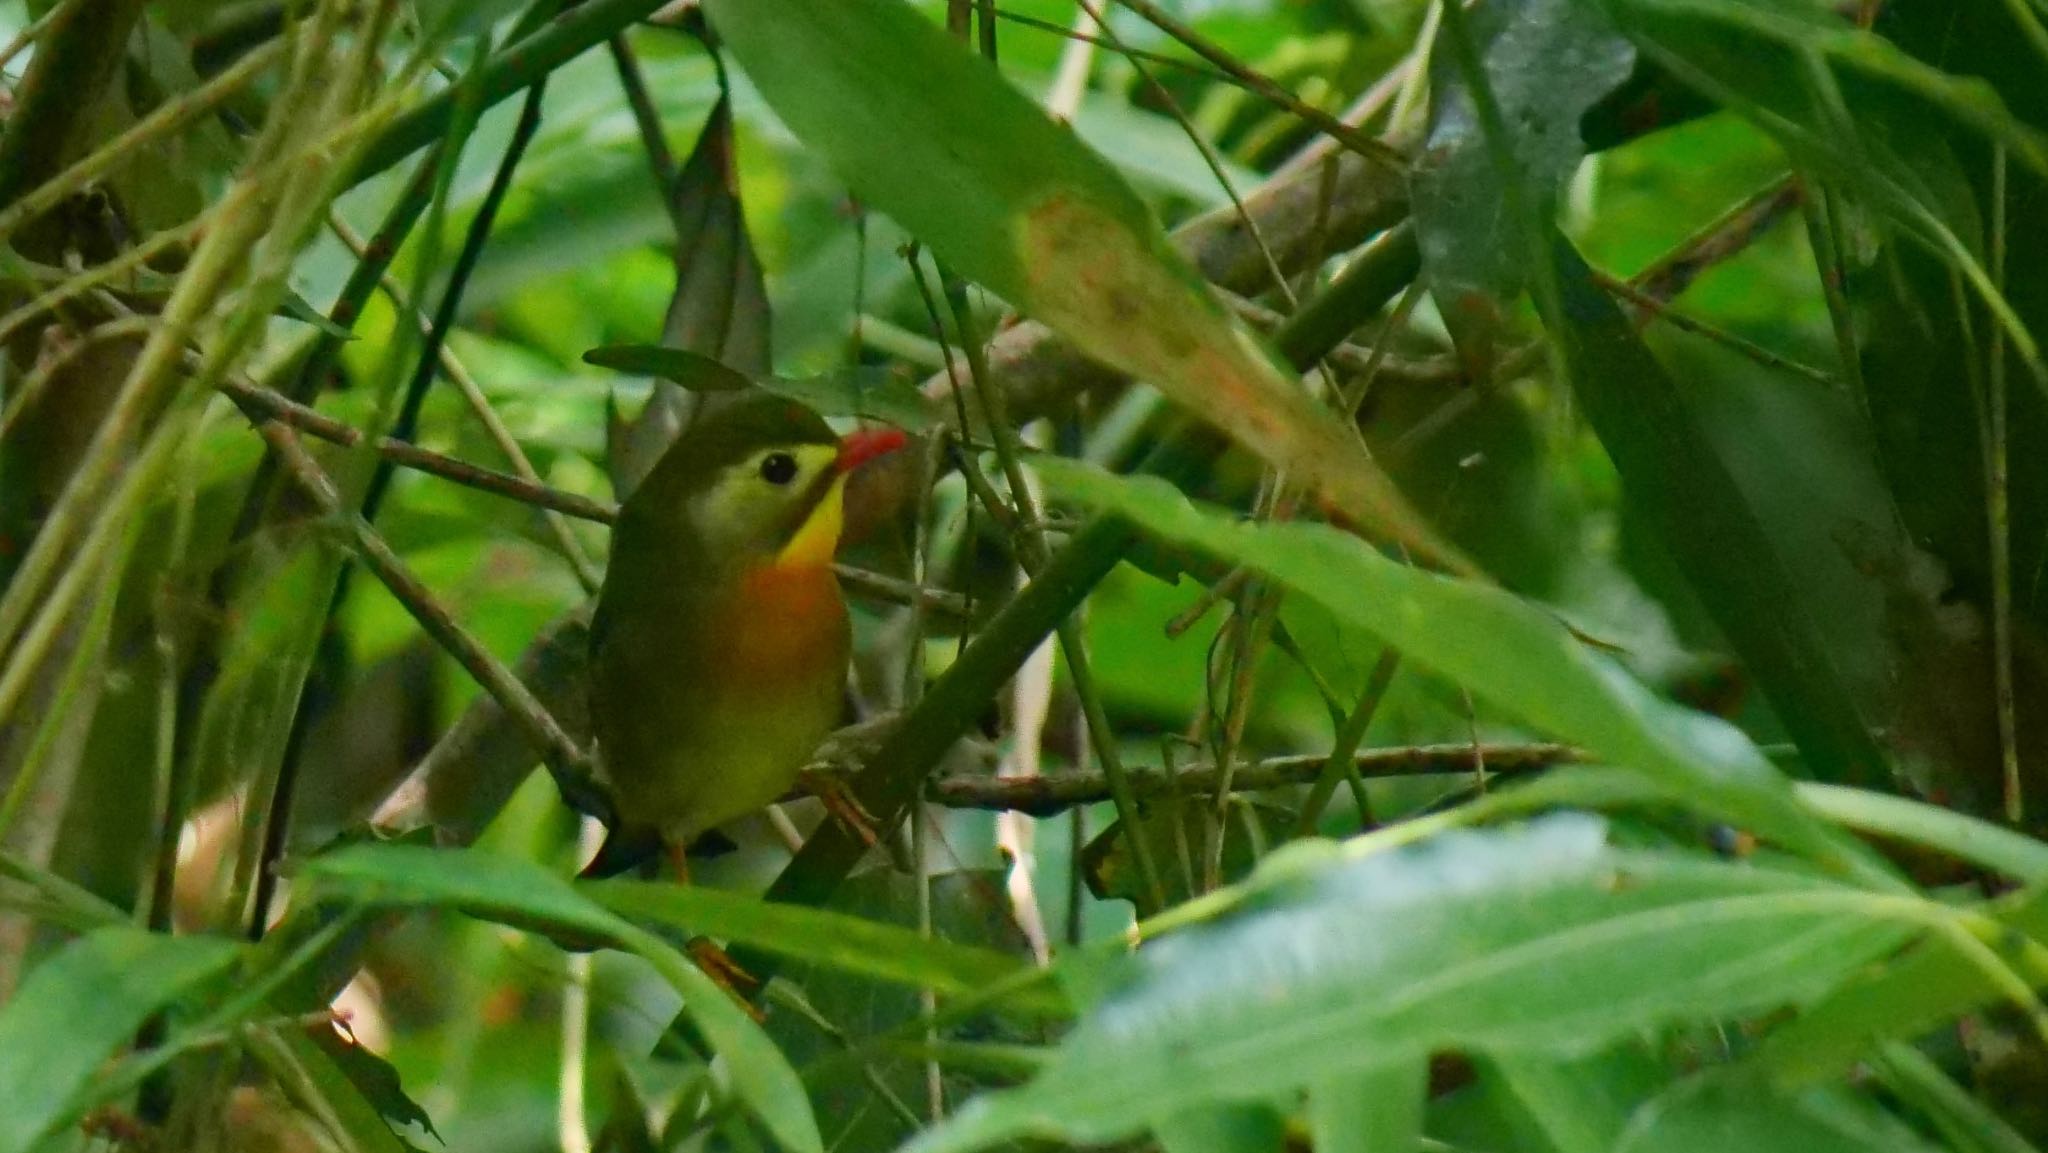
[839, 800]
[726, 973]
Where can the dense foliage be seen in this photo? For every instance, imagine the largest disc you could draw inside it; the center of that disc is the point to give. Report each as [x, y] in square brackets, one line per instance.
[1469, 576]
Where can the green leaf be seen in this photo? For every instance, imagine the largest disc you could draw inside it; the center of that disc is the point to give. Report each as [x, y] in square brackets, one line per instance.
[933, 136]
[519, 892]
[1518, 658]
[1532, 940]
[1376, 1110]
[1578, 1105]
[313, 1068]
[1548, 62]
[874, 393]
[832, 940]
[1224, 1129]
[1853, 107]
[441, 19]
[1923, 988]
[719, 308]
[371, 1078]
[1674, 474]
[1717, 1114]
[1965, 1120]
[81, 1005]
[1963, 837]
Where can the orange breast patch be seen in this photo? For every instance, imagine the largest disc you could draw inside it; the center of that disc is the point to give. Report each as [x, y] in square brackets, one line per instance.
[785, 623]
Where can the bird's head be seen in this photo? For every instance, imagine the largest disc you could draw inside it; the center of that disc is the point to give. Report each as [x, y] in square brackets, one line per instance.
[759, 481]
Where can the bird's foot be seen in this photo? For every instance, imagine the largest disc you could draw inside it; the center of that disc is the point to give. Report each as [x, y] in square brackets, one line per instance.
[833, 792]
[726, 973]
[851, 744]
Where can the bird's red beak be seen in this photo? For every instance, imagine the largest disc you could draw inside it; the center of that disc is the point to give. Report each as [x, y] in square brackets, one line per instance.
[862, 445]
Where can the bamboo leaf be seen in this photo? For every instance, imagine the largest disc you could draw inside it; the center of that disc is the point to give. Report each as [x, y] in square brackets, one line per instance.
[521, 893]
[1673, 472]
[933, 136]
[1518, 658]
[78, 1008]
[1534, 940]
[832, 940]
[874, 393]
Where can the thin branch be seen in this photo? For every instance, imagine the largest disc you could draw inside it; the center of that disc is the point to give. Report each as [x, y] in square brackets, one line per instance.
[1727, 235]
[1212, 161]
[405, 426]
[480, 406]
[28, 35]
[1998, 514]
[133, 260]
[1357, 142]
[82, 44]
[647, 119]
[566, 761]
[1160, 58]
[1652, 307]
[264, 404]
[171, 117]
[1044, 796]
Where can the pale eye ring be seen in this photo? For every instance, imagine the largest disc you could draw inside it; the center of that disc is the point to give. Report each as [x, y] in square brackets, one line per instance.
[778, 468]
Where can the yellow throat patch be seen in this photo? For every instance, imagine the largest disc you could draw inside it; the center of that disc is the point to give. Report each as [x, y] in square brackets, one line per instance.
[817, 539]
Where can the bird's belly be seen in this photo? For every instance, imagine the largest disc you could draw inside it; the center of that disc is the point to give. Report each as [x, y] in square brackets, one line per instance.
[770, 690]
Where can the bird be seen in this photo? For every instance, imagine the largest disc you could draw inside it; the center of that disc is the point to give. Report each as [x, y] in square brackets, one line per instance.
[720, 642]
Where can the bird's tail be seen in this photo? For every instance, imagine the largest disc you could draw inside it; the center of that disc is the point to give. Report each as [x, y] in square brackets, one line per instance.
[625, 848]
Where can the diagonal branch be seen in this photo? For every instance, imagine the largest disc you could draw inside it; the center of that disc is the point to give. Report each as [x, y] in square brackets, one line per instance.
[567, 762]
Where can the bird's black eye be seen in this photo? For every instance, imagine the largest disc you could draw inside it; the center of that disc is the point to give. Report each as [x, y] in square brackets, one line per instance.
[778, 468]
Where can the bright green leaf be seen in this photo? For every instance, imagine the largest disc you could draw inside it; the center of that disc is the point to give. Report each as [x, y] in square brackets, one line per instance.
[1716, 1115]
[1375, 1110]
[825, 938]
[1537, 940]
[1521, 660]
[78, 1007]
[519, 892]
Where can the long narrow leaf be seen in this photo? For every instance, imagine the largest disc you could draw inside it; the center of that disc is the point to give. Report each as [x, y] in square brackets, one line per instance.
[1519, 659]
[927, 132]
[521, 893]
[81, 1005]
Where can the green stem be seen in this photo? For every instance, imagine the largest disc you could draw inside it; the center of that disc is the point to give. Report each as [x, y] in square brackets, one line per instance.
[76, 57]
[1344, 750]
[539, 44]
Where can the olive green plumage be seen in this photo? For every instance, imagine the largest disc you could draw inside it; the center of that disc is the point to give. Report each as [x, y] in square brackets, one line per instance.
[720, 643]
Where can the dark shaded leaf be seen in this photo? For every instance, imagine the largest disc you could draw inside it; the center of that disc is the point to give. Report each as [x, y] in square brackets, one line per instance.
[1548, 62]
[873, 393]
[374, 1079]
[1671, 471]
[720, 306]
[1853, 107]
